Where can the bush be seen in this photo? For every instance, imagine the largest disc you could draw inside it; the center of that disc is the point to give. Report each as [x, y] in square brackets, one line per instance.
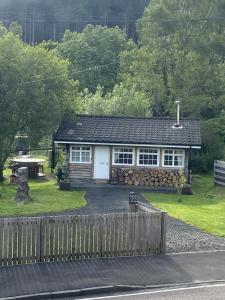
[213, 148]
[58, 172]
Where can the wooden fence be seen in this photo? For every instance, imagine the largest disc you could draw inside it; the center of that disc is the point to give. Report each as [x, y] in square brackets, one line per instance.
[41, 239]
[219, 172]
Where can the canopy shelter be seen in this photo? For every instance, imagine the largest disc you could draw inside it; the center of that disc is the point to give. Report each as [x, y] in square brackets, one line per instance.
[34, 165]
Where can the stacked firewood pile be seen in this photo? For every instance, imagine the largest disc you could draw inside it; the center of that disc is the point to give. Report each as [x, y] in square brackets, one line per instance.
[147, 177]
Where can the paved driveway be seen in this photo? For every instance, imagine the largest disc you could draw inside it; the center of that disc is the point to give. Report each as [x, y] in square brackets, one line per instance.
[103, 200]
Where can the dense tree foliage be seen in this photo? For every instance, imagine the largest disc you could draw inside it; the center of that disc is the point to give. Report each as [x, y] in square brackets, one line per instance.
[96, 47]
[48, 19]
[35, 92]
[185, 56]
[123, 100]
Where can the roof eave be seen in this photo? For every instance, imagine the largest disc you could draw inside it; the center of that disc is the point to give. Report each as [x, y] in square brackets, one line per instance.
[186, 146]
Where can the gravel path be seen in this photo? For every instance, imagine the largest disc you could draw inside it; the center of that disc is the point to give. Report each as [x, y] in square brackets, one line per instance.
[182, 237]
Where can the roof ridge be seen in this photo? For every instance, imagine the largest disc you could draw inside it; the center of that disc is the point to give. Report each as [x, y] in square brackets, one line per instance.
[130, 117]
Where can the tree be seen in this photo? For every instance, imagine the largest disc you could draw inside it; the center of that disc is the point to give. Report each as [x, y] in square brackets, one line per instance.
[180, 56]
[35, 92]
[123, 100]
[127, 100]
[213, 147]
[95, 103]
[96, 46]
[16, 29]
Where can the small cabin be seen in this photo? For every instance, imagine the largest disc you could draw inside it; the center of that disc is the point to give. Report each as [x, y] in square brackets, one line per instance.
[128, 151]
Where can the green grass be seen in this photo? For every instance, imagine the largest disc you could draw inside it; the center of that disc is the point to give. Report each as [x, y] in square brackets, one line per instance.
[205, 208]
[45, 198]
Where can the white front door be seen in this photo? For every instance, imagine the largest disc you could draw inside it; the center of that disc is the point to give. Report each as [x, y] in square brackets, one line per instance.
[101, 162]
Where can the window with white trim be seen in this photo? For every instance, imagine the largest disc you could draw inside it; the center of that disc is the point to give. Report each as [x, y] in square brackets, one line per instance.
[123, 156]
[80, 154]
[148, 157]
[173, 158]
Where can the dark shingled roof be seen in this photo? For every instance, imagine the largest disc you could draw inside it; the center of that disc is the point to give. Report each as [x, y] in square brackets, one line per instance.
[128, 130]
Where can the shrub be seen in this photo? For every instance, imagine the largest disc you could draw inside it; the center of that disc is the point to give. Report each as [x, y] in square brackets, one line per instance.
[58, 172]
[213, 148]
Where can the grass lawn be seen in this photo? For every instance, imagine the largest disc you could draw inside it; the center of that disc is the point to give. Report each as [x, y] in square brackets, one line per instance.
[205, 208]
[45, 198]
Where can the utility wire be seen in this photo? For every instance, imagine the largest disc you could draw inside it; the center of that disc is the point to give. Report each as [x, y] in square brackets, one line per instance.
[213, 18]
[70, 73]
[111, 19]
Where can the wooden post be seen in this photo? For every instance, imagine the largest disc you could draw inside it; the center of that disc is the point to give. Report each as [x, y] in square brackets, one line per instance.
[132, 202]
[53, 158]
[163, 232]
[189, 165]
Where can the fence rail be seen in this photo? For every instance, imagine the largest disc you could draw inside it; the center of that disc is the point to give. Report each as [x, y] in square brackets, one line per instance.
[41, 239]
[219, 172]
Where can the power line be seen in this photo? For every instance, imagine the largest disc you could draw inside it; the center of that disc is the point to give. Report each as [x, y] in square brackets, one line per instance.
[70, 73]
[215, 18]
[67, 21]
[115, 19]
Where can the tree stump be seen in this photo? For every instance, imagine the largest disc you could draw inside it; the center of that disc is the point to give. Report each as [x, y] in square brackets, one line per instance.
[22, 194]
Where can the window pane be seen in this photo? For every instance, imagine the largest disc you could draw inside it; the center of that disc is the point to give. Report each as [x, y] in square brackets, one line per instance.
[178, 161]
[168, 151]
[75, 156]
[130, 161]
[86, 148]
[168, 160]
[127, 150]
[123, 150]
[81, 154]
[76, 148]
[121, 159]
[173, 158]
[124, 157]
[148, 150]
[148, 157]
[178, 152]
[85, 157]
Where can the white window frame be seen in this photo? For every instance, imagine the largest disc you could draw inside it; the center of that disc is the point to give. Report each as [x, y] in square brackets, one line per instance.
[119, 164]
[81, 146]
[173, 155]
[150, 148]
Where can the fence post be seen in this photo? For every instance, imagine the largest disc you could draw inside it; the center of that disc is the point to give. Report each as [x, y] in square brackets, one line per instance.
[42, 239]
[163, 232]
[132, 202]
[101, 236]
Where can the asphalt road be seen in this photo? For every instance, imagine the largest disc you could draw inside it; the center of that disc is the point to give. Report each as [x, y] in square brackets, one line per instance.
[208, 292]
[111, 275]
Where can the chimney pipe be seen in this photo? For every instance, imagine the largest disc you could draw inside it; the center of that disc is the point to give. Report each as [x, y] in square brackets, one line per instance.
[177, 124]
[178, 113]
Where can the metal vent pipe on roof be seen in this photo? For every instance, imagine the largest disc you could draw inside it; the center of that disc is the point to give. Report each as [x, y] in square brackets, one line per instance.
[178, 113]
